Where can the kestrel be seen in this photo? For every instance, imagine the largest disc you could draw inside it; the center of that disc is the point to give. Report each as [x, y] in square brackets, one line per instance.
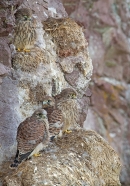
[66, 102]
[32, 136]
[25, 34]
[54, 117]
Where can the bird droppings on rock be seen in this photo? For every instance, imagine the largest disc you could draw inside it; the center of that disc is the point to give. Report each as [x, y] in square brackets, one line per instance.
[79, 158]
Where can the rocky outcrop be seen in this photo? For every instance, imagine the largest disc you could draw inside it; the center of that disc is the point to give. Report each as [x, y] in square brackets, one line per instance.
[26, 77]
[79, 158]
[59, 59]
[106, 26]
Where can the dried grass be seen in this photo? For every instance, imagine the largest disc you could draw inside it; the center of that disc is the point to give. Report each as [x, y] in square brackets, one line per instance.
[67, 35]
[29, 61]
[77, 159]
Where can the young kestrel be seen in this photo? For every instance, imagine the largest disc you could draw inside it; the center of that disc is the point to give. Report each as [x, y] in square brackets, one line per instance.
[25, 34]
[66, 102]
[32, 136]
[55, 117]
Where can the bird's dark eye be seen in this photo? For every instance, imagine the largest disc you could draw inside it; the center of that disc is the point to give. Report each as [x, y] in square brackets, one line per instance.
[40, 114]
[49, 101]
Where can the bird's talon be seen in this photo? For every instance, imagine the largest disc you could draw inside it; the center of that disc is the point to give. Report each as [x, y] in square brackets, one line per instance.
[18, 49]
[38, 155]
[25, 50]
[67, 131]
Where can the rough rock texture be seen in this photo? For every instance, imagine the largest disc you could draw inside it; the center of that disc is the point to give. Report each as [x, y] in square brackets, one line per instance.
[106, 27]
[80, 158]
[57, 61]
[25, 77]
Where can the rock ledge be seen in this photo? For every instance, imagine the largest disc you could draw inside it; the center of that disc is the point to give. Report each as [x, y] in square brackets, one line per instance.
[82, 158]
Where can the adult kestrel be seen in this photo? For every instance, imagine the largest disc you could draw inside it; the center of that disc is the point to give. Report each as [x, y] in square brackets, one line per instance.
[55, 117]
[25, 34]
[66, 102]
[32, 136]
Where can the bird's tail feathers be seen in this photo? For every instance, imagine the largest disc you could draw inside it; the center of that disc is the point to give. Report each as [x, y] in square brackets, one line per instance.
[24, 156]
[14, 165]
[19, 159]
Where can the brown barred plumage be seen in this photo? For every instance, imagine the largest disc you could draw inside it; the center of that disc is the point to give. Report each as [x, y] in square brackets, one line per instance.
[32, 136]
[66, 102]
[25, 34]
[54, 117]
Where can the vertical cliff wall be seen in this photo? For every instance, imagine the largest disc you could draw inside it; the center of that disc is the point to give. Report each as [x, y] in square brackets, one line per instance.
[26, 77]
[106, 27]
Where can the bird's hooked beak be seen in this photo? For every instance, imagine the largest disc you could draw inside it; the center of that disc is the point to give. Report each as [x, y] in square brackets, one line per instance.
[45, 102]
[48, 102]
[44, 116]
[74, 96]
[27, 18]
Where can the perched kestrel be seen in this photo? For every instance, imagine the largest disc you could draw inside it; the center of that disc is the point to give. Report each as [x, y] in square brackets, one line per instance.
[54, 117]
[67, 103]
[32, 136]
[25, 34]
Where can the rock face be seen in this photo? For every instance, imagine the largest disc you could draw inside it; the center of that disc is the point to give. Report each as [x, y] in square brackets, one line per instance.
[59, 59]
[80, 158]
[26, 77]
[105, 26]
